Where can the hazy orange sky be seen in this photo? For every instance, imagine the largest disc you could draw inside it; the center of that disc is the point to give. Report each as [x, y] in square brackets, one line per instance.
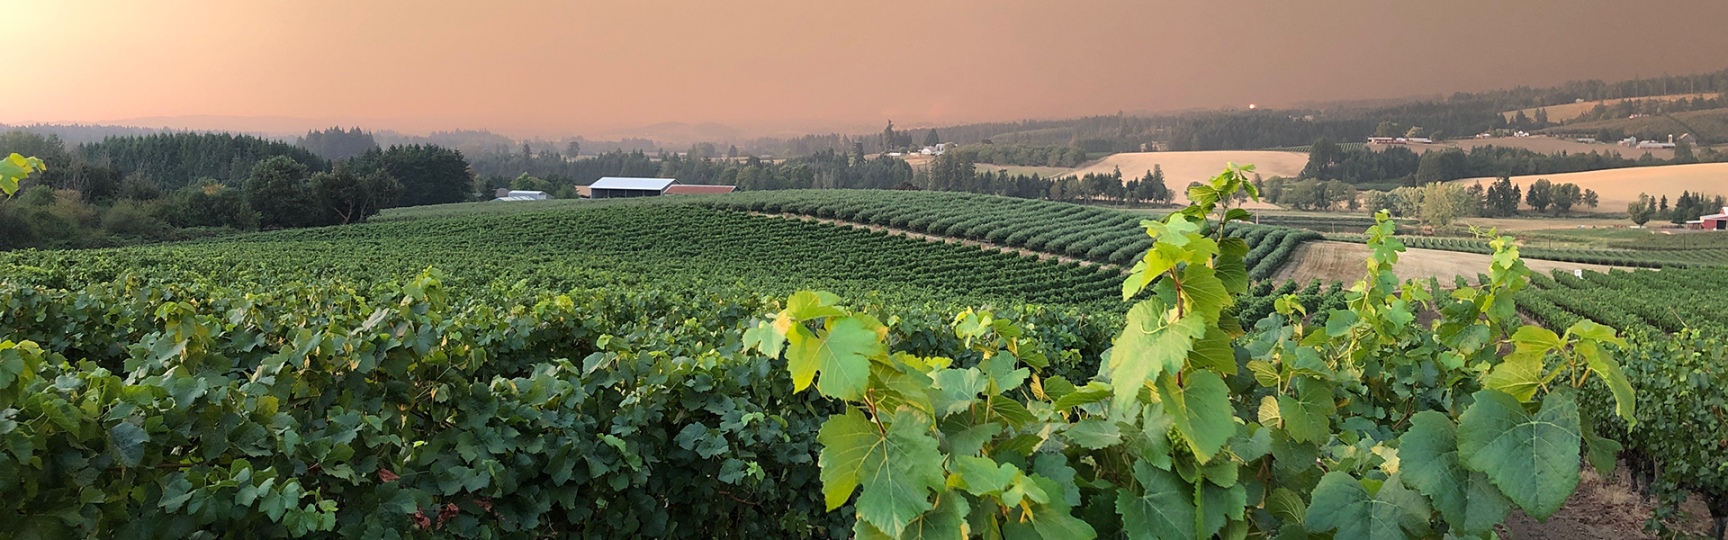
[534, 67]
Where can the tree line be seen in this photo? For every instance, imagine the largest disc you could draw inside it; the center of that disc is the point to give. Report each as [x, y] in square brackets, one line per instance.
[1687, 207]
[1024, 155]
[1397, 165]
[174, 186]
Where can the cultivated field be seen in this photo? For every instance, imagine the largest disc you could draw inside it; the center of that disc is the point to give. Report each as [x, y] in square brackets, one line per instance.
[1026, 170]
[1617, 187]
[1710, 125]
[1568, 111]
[1180, 168]
[1330, 261]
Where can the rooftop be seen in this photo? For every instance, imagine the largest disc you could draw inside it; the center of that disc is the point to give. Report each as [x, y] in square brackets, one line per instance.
[644, 184]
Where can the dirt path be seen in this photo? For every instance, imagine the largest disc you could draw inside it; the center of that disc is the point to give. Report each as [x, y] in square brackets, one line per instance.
[922, 236]
[1604, 509]
[1342, 261]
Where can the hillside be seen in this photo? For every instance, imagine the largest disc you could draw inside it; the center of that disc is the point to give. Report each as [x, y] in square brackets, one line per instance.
[1619, 187]
[1710, 126]
[1568, 111]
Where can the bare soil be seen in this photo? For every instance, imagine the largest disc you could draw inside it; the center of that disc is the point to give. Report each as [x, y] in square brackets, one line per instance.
[1330, 261]
[1604, 509]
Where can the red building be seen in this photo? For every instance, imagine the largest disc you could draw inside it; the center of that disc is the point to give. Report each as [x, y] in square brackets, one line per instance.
[1713, 222]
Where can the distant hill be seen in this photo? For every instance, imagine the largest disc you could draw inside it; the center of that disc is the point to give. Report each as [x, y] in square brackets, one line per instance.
[1567, 111]
[1710, 126]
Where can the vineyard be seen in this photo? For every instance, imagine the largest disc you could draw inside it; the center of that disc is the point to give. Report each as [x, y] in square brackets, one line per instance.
[1644, 302]
[1084, 232]
[1625, 257]
[606, 369]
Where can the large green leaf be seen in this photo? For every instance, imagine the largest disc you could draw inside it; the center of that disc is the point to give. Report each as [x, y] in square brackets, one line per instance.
[842, 357]
[1533, 459]
[944, 522]
[1213, 351]
[128, 441]
[899, 475]
[1603, 365]
[1148, 346]
[1308, 414]
[1206, 293]
[846, 439]
[1343, 504]
[1519, 376]
[983, 476]
[1429, 457]
[1164, 510]
[1094, 433]
[1201, 406]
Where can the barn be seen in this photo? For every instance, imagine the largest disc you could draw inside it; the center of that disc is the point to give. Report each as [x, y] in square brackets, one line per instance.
[1714, 222]
[613, 187]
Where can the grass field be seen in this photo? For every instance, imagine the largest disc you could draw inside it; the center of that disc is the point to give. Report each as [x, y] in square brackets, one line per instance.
[1619, 187]
[1568, 111]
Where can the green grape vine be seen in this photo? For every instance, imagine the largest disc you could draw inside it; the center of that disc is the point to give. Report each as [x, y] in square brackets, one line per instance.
[1411, 412]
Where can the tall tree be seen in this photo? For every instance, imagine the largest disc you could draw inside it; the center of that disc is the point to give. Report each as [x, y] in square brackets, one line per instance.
[429, 174]
[1540, 195]
[931, 138]
[277, 190]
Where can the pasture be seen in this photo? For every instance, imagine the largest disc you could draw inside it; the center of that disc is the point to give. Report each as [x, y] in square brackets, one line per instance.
[1568, 111]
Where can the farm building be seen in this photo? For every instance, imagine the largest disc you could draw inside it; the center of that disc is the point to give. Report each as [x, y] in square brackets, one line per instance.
[505, 194]
[681, 189]
[613, 187]
[1712, 222]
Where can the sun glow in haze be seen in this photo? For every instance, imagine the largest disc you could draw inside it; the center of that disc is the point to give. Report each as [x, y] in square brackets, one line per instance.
[548, 67]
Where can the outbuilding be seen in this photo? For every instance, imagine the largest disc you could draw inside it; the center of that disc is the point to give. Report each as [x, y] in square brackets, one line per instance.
[1714, 222]
[613, 187]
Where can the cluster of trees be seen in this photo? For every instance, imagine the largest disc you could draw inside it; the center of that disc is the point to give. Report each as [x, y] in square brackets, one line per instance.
[126, 190]
[1623, 109]
[337, 144]
[955, 171]
[1440, 203]
[1024, 155]
[1329, 161]
[1308, 193]
[1689, 206]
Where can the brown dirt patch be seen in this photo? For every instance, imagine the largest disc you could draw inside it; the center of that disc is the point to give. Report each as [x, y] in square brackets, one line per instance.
[1604, 509]
[1331, 261]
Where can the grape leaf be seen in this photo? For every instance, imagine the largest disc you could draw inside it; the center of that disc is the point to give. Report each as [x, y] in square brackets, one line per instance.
[1533, 459]
[1148, 346]
[1308, 415]
[1163, 510]
[899, 474]
[842, 357]
[128, 441]
[1202, 411]
[1429, 456]
[1342, 503]
[1093, 433]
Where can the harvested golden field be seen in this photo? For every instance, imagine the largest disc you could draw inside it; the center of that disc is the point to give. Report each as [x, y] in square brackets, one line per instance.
[1181, 168]
[1618, 187]
[1568, 111]
[1330, 261]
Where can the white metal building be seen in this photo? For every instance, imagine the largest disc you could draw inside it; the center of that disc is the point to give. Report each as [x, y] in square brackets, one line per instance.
[613, 187]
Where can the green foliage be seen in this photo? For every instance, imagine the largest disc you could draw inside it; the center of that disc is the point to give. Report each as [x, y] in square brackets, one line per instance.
[16, 168]
[1183, 445]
